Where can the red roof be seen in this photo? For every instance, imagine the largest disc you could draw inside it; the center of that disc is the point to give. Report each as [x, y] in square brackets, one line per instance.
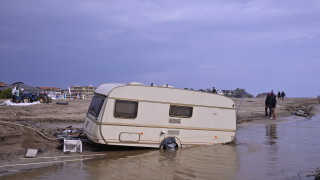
[2, 84]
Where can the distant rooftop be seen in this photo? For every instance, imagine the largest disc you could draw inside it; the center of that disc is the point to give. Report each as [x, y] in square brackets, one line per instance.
[3, 84]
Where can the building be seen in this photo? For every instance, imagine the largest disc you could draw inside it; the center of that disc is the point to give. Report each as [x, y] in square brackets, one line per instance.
[50, 89]
[86, 91]
[53, 92]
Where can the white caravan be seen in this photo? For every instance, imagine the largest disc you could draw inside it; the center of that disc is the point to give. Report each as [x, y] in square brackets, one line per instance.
[153, 116]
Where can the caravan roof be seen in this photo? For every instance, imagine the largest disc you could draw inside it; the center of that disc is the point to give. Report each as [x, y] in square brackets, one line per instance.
[163, 94]
[105, 89]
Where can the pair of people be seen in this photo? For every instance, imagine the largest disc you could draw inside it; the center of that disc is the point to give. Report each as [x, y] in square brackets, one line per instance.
[270, 104]
[281, 95]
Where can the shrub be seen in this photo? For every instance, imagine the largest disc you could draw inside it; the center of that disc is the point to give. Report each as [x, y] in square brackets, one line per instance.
[241, 93]
[5, 94]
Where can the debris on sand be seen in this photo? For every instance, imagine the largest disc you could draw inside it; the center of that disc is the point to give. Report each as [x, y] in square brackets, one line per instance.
[72, 139]
[68, 133]
[300, 113]
[62, 103]
[31, 153]
[9, 103]
[72, 146]
[315, 174]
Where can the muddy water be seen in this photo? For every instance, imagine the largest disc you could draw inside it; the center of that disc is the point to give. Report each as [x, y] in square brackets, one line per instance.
[281, 149]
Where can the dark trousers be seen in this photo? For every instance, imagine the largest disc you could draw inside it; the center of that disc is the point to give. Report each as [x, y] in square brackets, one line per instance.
[266, 111]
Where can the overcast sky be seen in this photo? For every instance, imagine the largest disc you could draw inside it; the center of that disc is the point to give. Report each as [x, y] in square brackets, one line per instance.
[258, 45]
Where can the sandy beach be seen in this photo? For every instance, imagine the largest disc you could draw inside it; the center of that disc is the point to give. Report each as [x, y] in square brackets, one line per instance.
[15, 140]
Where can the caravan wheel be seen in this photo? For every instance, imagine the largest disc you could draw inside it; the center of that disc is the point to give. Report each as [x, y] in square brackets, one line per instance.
[169, 143]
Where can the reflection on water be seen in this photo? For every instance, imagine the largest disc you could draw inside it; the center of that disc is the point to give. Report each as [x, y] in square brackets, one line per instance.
[278, 149]
[271, 134]
[272, 147]
[187, 163]
[269, 150]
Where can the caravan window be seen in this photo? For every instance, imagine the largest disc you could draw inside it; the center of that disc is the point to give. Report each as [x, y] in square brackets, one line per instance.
[96, 105]
[126, 109]
[180, 111]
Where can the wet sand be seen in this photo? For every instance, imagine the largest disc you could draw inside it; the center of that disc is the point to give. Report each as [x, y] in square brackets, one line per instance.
[14, 140]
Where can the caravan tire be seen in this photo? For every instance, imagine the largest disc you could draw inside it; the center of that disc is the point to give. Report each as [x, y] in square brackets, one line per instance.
[169, 143]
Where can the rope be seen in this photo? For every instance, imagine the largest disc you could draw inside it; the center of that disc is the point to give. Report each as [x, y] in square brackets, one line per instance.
[53, 139]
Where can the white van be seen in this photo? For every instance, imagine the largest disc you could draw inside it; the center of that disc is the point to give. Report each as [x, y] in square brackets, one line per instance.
[157, 117]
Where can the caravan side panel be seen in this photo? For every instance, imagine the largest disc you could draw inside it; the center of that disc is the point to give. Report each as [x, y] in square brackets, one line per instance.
[213, 119]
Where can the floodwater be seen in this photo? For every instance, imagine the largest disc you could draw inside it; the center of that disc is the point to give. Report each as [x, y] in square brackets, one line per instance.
[285, 149]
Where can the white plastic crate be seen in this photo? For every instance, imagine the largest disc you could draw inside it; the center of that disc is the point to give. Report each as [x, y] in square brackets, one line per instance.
[31, 153]
[72, 146]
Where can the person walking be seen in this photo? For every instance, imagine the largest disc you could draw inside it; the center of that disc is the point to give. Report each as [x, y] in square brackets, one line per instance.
[282, 95]
[279, 95]
[214, 91]
[273, 104]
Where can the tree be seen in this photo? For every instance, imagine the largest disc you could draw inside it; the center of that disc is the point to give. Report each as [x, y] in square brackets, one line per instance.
[241, 93]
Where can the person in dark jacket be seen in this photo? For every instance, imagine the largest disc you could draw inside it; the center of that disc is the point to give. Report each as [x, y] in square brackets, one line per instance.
[273, 104]
[279, 95]
[282, 95]
[268, 105]
[214, 91]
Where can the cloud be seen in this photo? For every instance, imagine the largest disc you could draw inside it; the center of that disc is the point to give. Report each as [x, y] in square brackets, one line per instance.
[165, 41]
[214, 22]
